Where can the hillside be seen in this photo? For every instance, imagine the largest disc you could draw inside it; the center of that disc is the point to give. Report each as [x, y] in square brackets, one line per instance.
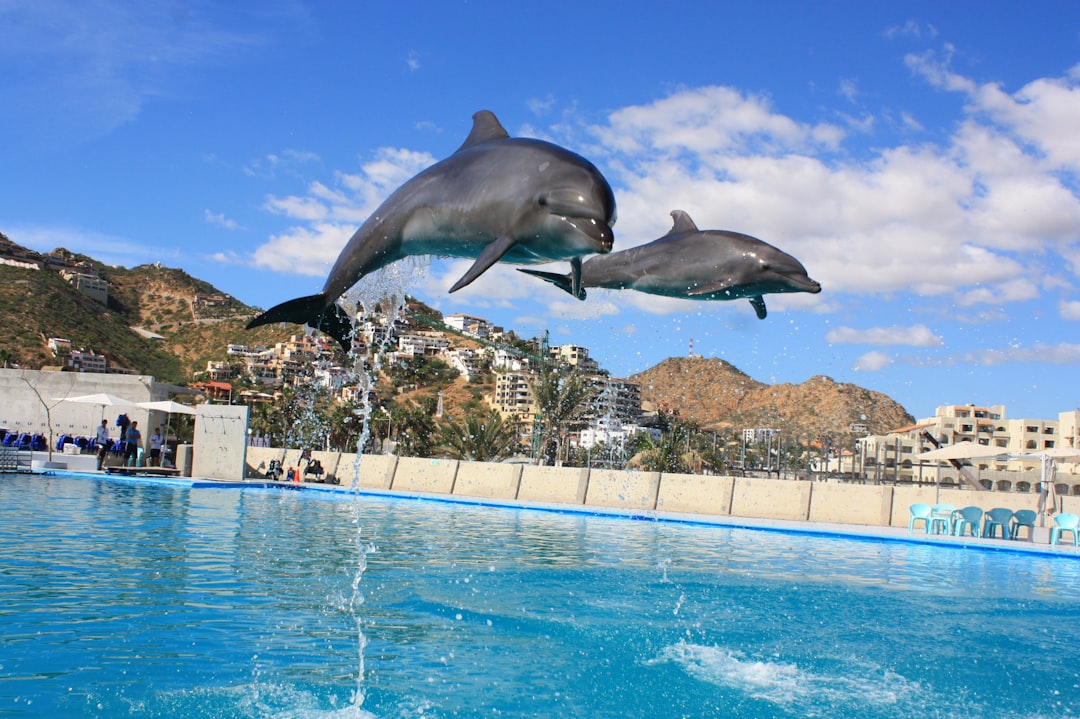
[718, 396]
[36, 305]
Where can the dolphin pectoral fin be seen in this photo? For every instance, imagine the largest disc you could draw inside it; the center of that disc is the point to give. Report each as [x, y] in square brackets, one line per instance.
[313, 311]
[560, 281]
[758, 303]
[491, 254]
[575, 278]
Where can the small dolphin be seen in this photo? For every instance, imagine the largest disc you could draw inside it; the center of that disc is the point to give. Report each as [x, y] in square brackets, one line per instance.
[497, 198]
[696, 265]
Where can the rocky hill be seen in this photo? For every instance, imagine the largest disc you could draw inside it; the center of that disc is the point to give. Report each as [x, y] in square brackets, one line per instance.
[720, 396]
[194, 320]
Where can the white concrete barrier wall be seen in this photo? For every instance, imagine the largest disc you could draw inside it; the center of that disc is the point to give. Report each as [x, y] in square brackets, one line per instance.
[771, 499]
[695, 493]
[488, 480]
[624, 490]
[427, 476]
[558, 485]
[754, 498]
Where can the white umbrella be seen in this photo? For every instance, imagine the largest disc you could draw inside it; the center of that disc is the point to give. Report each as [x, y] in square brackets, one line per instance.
[170, 408]
[962, 450]
[102, 399]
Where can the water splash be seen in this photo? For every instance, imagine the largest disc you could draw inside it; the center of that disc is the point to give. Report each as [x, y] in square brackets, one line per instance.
[789, 686]
[379, 298]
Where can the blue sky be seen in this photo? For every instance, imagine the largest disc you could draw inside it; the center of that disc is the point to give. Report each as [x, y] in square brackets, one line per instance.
[921, 159]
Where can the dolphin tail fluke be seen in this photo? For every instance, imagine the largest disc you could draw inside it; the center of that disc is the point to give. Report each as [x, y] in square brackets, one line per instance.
[563, 282]
[758, 303]
[313, 311]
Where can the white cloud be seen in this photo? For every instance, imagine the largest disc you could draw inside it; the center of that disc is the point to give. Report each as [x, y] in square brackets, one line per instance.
[849, 89]
[412, 61]
[329, 215]
[872, 362]
[1040, 353]
[914, 336]
[304, 250]
[1069, 310]
[971, 220]
[912, 29]
[220, 219]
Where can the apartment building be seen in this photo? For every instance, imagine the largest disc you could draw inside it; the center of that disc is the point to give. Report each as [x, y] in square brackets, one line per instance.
[513, 397]
[574, 356]
[895, 454]
[617, 399]
[470, 325]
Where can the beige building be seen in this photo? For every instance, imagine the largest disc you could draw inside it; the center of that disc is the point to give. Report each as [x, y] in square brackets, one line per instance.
[894, 455]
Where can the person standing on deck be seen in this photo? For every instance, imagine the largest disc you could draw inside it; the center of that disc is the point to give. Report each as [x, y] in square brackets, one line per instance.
[103, 442]
[133, 438]
[155, 447]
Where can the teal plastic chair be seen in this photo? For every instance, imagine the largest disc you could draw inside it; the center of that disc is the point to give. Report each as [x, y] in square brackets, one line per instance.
[919, 513]
[1023, 518]
[968, 519]
[1065, 523]
[941, 519]
[998, 518]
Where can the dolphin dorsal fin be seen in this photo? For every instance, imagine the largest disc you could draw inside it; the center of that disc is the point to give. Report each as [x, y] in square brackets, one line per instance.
[485, 128]
[683, 223]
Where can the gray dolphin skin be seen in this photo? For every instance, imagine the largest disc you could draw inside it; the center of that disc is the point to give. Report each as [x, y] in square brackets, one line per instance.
[496, 199]
[694, 264]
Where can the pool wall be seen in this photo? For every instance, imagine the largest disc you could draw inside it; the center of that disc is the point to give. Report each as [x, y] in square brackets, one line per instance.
[749, 497]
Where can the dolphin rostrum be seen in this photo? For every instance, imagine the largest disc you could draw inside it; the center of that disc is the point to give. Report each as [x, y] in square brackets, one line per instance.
[497, 198]
[694, 264]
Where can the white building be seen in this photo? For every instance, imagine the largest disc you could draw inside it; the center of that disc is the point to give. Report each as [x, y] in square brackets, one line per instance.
[468, 362]
[510, 362]
[612, 431]
[468, 324]
[575, 356]
[422, 344]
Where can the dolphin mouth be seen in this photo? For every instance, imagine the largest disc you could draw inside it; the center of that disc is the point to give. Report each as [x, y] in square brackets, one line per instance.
[805, 284]
[596, 230]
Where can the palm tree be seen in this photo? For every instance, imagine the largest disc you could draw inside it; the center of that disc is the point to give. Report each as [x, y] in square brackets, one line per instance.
[562, 398]
[675, 452]
[483, 437]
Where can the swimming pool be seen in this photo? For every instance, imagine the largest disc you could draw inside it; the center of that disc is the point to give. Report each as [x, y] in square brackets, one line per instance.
[154, 599]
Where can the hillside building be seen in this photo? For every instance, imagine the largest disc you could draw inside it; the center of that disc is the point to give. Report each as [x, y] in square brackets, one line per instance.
[468, 324]
[87, 361]
[88, 284]
[574, 356]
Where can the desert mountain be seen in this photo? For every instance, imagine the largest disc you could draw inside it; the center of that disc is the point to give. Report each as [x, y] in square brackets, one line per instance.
[720, 396]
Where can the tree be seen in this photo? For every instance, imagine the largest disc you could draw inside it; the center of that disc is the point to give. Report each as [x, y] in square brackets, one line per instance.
[480, 437]
[562, 398]
[678, 451]
[48, 408]
[414, 428]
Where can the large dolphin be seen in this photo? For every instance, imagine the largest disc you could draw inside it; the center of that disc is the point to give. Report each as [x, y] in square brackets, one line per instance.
[694, 264]
[497, 198]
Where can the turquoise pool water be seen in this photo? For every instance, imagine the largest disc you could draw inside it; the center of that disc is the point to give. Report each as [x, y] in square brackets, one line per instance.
[124, 598]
